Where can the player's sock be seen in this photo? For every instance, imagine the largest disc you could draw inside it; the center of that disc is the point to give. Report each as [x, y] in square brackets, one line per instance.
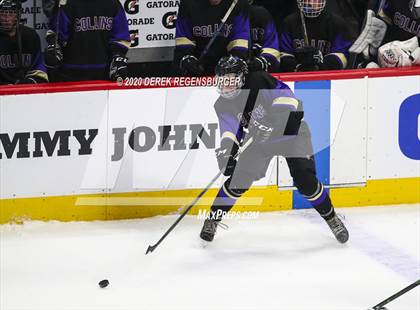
[321, 202]
[223, 203]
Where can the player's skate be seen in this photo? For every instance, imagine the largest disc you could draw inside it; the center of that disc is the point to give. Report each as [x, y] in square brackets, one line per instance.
[209, 230]
[339, 230]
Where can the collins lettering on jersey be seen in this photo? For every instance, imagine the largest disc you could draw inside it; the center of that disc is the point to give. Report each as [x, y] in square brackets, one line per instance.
[409, 127]
[322, 45]
[10, 61]
[92, 24]
[207, 31]
[407, 24]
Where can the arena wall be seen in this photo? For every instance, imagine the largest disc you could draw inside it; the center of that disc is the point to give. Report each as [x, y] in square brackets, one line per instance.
[101, 151]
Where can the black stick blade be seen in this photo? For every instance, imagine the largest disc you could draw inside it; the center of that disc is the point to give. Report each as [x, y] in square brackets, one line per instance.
[150, 249]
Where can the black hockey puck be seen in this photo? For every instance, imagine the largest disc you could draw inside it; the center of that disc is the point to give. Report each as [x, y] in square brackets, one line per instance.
[103, 283]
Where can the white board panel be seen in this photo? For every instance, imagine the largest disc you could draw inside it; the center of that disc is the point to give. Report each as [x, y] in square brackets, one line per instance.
[348, 149]
[385, 159]
[54, 174]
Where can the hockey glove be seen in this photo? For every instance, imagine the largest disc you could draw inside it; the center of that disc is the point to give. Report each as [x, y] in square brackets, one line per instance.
[191, 66]
[53, 53]
[258, 64]
[118, 68]
[399, 54]
[308, 58]
[225, 155]
[371, 37]
[332, 62]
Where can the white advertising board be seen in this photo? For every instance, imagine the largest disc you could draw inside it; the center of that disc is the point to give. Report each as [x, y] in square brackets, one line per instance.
[386, 96]
[50, 147]
[142, 140]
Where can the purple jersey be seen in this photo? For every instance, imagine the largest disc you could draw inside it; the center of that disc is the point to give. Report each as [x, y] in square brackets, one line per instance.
[264, 33]
[327, 33]
[91, 33]
[401, 24]
[33, 66]
[198, 20]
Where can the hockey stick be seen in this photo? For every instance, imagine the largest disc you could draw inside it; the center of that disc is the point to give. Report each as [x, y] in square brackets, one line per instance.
[19, 40]
[151, 248]
[381, 6]
[396, 295]
[307, 44]
[304, 29]
[57, 24]
[218, 30]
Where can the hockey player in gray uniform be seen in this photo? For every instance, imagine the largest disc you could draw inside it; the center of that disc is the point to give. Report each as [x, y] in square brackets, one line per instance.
[265, 110]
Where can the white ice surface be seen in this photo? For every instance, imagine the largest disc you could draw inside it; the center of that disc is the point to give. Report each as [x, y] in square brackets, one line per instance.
[282, 260]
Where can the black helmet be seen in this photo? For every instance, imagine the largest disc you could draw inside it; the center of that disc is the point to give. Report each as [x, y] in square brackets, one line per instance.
[8, 15]
[231, 72]
[8, 5]
[231, 64]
